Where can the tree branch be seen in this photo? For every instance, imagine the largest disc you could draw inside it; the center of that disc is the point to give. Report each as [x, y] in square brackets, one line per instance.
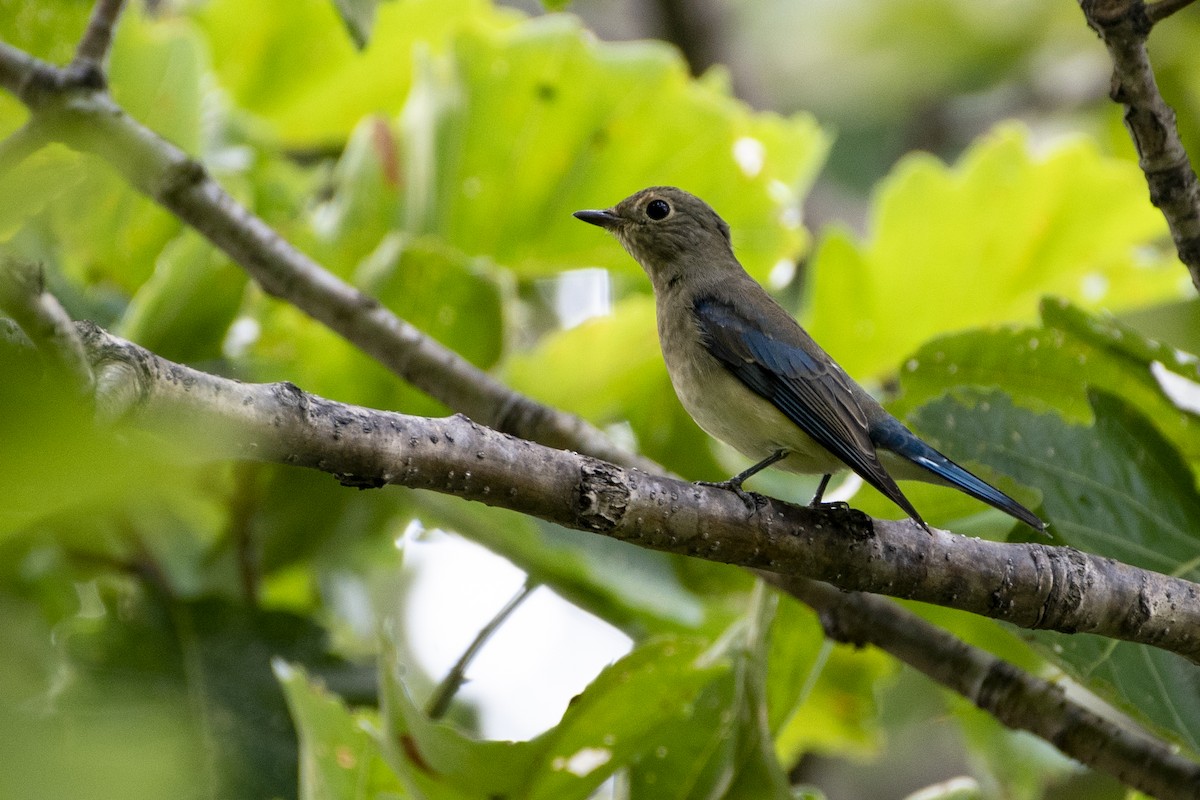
[1029, 585]
[1159, 11]
[20, 144]
[1124, 25]
[1019, 700]
[24, 298]
[97, 38]
[84, 116]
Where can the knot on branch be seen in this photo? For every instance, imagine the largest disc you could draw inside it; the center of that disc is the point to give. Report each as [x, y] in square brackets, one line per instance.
[124, 376]
[603, 496]
[1126, 17]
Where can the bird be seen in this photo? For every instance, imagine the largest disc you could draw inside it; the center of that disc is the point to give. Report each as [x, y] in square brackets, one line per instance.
[752, 377]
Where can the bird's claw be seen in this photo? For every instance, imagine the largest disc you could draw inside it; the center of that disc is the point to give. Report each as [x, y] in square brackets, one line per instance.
[830, 505]
[735, 487]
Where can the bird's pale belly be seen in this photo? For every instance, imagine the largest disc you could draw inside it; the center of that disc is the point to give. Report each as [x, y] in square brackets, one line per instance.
[727, 410]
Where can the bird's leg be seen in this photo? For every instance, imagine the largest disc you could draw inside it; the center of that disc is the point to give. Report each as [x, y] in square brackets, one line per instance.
[817, 502]
[734, 484]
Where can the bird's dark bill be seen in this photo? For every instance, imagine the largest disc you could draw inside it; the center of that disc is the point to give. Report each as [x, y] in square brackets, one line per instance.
[605, 219]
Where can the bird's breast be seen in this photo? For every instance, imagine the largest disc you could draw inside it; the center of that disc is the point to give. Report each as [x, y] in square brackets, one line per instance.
[724, 407]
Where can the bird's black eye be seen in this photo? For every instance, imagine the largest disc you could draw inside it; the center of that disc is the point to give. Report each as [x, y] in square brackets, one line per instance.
[657, 209]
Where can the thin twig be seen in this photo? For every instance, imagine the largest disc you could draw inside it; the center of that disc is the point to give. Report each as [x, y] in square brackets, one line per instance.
[97, 37]
[439, 702]
[1159, 11]
[1019, 700]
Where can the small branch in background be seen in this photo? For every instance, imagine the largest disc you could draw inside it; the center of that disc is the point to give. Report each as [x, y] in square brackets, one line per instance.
[1159, 11]
[20, 144]
[97, 37]
[694, 26]
[1016, 698]
[1124, 25]
[24, 298]
[439, 702]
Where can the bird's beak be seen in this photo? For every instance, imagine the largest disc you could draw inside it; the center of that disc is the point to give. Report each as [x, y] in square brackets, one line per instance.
[605, 219]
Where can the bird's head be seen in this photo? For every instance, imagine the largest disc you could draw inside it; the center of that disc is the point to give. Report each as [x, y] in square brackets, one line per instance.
[668, 231]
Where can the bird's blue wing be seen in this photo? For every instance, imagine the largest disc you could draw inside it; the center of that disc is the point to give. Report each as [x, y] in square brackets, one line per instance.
[799, 379]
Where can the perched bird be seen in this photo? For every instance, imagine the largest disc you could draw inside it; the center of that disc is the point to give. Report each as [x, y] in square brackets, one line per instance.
[752, 377]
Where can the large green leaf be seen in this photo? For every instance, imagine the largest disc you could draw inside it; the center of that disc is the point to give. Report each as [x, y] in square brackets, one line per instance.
[618, 719]
[290, 63]
[521, 125]
[47, 30]
[188, 684]
[1117, 489]
[184, 310]
[1053, 366]
[954, 248]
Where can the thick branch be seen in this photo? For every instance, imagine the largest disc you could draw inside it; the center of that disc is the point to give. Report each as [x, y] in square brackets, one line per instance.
[1019, 700]
[1030, 585]
[85, 118]
[1123, 25]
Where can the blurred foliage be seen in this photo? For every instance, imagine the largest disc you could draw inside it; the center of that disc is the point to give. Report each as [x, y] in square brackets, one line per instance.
[183, 628]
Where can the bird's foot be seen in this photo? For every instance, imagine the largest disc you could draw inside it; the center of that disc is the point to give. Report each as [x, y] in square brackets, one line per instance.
[830, 505]
[735, 486]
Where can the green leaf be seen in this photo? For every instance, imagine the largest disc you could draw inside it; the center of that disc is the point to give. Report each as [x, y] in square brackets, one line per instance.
[725, 748]
[182, 689]
[821, 696]
[585, 124]
[619, 718]
[954, 248]
[27, 188]
[1117, 489]
[443, 293]
[340, 757]
[184, 310]
[157, 74]
[46, 30]
[1053, 366]
[289, 62]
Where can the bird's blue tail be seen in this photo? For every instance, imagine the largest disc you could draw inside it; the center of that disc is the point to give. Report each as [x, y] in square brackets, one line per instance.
[891, 435]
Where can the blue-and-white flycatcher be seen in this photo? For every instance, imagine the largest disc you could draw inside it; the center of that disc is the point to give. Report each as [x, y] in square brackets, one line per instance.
[752, 377]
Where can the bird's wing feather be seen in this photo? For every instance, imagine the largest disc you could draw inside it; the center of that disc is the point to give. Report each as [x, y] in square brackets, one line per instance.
[802, 382]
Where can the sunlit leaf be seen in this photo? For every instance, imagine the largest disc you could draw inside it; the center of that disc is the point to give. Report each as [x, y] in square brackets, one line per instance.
[583, 124]
[979, 243]
[290, 62]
